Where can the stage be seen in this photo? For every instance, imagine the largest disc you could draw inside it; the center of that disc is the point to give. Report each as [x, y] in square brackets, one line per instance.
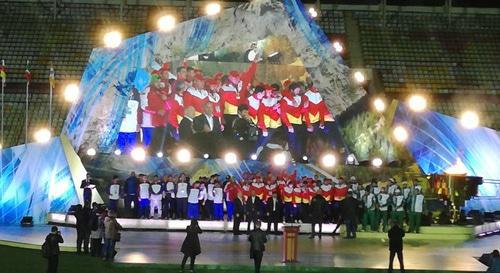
[224, 249]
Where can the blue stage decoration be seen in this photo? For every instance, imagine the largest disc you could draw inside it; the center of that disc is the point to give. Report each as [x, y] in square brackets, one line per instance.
[438, 142]
[35, 179]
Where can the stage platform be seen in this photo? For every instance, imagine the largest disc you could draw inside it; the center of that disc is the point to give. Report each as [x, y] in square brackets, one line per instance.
[224, 249]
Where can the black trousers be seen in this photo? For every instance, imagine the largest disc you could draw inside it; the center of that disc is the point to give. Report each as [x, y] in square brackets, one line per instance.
[191, 261]
[257, 260]
[272, 220]
[400, 259]
[82, 236]
[236, 224]
[95, 247]
[158, 140]
[313, 225]
[53, 262]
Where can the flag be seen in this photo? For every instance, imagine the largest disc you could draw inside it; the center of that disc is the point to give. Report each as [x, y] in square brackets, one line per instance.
[27, 72]
[52, 78]
[3, 72]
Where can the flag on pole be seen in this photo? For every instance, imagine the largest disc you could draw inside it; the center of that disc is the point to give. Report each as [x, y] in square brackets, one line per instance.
[27, 72]
[3, 72]
[52, 78]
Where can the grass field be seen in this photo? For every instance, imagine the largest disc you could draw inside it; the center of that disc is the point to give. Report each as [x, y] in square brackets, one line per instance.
[22, 260]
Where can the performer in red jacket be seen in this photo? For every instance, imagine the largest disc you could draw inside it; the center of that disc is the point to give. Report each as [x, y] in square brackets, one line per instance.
[196, 96]
[213, 87]
[175, 108]
[294, 106]
[268, 115]
[156, 107]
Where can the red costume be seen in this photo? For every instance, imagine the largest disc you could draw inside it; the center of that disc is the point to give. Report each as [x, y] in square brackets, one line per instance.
[294, 109]
[317, 110]
[175, 107]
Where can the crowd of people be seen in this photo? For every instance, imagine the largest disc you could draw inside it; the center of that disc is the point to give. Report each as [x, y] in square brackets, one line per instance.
[199, 110]
[271, 198]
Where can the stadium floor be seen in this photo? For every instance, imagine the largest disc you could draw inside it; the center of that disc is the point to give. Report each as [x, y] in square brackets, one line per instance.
[226, 253]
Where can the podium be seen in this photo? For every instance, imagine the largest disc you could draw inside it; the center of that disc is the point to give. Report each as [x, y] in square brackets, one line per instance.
[290, 243]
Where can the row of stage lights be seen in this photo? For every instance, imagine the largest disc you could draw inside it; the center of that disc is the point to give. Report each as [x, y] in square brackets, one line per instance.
[279, 159]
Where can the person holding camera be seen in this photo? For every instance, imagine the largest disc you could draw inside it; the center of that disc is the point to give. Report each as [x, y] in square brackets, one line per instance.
[191, 245]
[111, 235]
[51, 249]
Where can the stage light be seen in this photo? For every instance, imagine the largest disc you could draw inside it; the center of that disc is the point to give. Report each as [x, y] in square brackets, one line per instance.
[138, 154]
[43, 135]
[112, 39]
[359, 77]
[159, 154]
[279, 159]
[328, 160]
[230, 158]
[71, 92]
[350, 159]
[213, 9]
[377, 162]
[183, 155]
[118, 152]
[338, 47]
[305, 158]
[469, 119]
[166, 23]
[400, 133]
[1, 146]
[91, 152]
[379, 105]
[313, 12]
[417, 103]
[206, 156]
[253, 157]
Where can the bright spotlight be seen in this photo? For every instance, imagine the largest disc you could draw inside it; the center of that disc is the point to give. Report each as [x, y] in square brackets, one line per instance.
[91, 152]
[71, 92]
[118, 152]
[206, 156]
[400, 133]
[166, 23]
[183, 155]
[417, 103]
[159, 154]
[305, 158]
[359, 77]
[230, 158]
[313, 12]
[279, 159]
[350, 159]
[112, 39]
[213, 9]
[377, 162]
[329, 160]
[338, 47]
[253, 157]
[469, 119]
[43, 135]
[379, 105]
[138, 154]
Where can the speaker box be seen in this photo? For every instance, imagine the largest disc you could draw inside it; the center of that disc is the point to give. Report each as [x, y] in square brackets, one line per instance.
[27, 221]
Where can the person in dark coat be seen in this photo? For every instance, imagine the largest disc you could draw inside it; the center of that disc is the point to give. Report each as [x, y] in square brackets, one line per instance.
[130, 190]
[348, 208]
[53, 240]
[274, 207]
[83, 228]
[257, 240]
[207, 130]
[252, 208]
[191, 245]
[396, 234]
[318, 208]
[186, 130]
[87, 185]
[238, 213]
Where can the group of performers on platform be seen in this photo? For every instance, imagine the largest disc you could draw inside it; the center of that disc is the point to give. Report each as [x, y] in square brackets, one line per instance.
[198, 109]
[275, 199]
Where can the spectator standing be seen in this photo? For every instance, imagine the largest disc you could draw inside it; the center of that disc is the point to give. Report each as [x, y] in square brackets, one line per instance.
[318, 208]
[257, 240]
[396, 234]
[349, 207]
[191, 245]
[111, 235]
[82, 215]
[52, 242]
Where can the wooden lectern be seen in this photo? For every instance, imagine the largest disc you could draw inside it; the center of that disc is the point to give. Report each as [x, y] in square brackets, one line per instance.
[290, 242]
